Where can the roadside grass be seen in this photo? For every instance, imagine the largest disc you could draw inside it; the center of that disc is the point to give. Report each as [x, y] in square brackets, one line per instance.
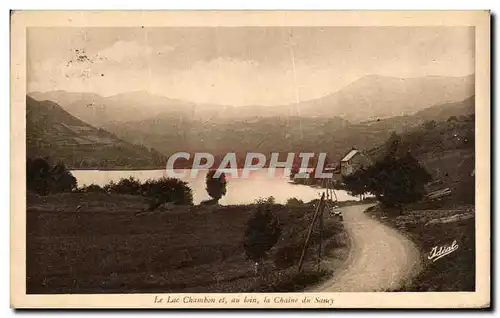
[437, 224]
[106, 246]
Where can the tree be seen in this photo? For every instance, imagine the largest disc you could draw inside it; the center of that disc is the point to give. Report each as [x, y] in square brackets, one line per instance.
[61, 179]
[394, 181]
[262, 233]
[43, 179]
[37, 175]
[356, 183]
[393, 143]
[397, 181]
[216, 186]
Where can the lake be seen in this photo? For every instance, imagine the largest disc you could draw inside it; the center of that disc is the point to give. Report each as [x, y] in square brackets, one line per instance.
[239, 190]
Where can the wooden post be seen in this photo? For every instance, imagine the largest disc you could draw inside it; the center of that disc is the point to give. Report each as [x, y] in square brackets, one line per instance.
[320, 236]
[324, 183]
[330, 190]
[316, 213]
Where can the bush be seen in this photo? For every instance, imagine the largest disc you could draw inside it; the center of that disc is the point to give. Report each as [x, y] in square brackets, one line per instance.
[93, 188]
[262, 233]
[167, 190]
[294, 202]
[109, 187]
[287, 256]
[128, 185]
[268, 200]
[160, 191]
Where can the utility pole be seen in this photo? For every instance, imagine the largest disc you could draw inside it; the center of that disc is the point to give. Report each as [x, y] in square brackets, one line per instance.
[316, 213]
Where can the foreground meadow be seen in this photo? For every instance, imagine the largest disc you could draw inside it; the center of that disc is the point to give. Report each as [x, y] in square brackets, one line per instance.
[110, 243]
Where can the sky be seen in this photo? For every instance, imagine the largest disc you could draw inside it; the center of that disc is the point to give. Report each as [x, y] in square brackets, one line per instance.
[239, 65]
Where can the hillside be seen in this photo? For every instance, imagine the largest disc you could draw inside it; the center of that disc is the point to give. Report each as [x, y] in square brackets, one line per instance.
[171, 134]
[445, 111]
[53, 132]
[370, 97]
[264, 135]
[334, 136]
[375, 97]
[445, 148]
[435, 113]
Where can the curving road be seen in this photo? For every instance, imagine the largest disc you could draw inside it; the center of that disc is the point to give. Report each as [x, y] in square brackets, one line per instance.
[380, 258]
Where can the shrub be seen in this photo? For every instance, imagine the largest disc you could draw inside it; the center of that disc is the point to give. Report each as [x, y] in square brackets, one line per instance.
[262, 233]
[128, 185]
[268, 200]
[93, 188]
[109, 187]
[288, 255]
[167, 190]
[294, 202]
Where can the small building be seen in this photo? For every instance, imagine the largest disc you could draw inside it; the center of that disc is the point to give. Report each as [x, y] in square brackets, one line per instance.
[353, 161]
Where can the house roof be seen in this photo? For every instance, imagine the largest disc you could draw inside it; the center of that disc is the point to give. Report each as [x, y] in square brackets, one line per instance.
[349, 156]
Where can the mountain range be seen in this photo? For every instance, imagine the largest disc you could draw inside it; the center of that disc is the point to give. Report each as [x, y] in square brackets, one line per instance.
[370, 97]
[139, 129]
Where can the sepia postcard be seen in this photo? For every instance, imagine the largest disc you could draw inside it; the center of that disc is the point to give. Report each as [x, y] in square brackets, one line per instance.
[250, 159]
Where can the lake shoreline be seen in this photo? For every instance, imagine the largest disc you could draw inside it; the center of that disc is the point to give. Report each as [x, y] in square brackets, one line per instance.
[117, 169]
[239, 190]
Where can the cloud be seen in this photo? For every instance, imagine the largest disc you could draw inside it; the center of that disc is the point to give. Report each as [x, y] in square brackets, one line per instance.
[122, 51]
[98, 70]
[222, 80]
[238, 67]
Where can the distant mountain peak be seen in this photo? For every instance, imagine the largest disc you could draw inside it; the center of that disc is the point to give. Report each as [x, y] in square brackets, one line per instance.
[371, 96]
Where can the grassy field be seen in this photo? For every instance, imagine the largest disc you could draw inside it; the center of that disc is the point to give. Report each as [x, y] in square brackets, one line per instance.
[437, 224]
[107, 247]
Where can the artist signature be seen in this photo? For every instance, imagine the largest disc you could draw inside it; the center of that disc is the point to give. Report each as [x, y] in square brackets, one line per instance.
[440, 251]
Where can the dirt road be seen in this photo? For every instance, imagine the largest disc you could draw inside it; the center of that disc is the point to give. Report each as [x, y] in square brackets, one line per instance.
[380, 259]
